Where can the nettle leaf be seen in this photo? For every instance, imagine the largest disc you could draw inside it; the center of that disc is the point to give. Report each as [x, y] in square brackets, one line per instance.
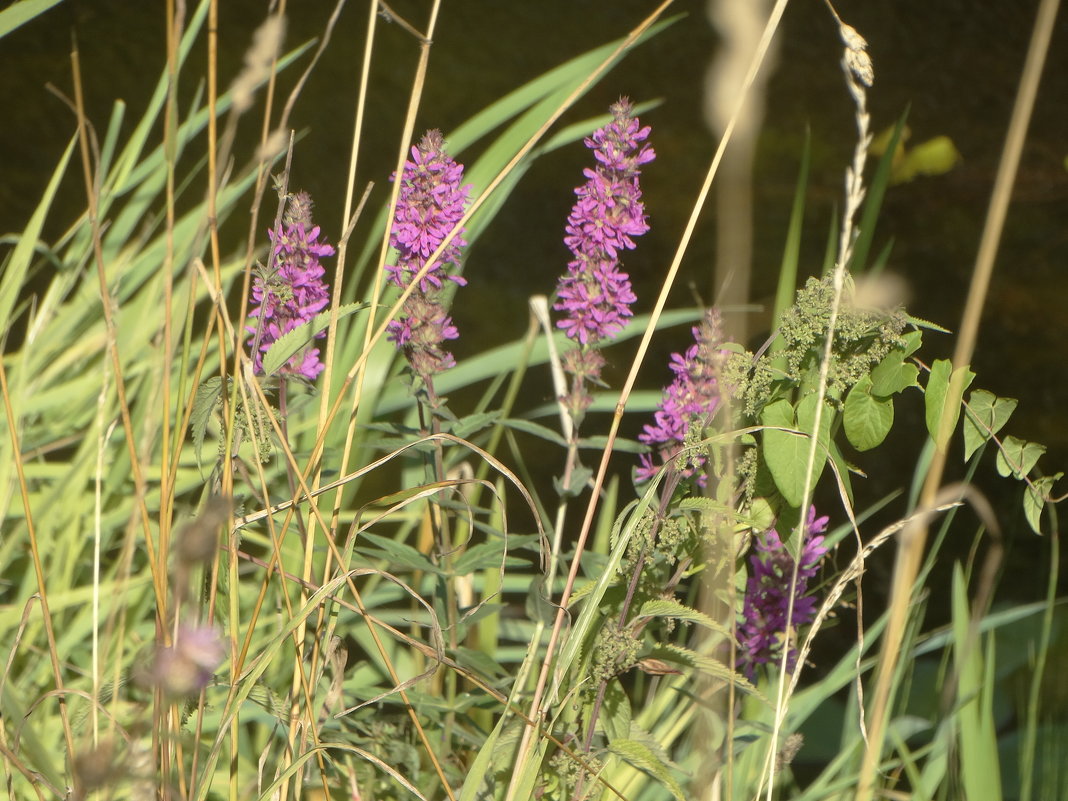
[867, 419]
[640, 756]
[615, 713]
[1017, 456]
[985, 415]
[919, 322]
[938, 398]
[208, 395]
[678, 611]
[1035, 499]
[290, 343]
[785, 453]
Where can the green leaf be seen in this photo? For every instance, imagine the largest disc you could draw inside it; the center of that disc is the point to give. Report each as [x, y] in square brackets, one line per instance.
[616, 714]
[1035, 499]
[399, 553]
[678, 611]
[1016, 457]
[786, 453]
[642, 757]
[20, 13]
[945, 391]
[537, 430]
[892, 374]
[867, 419]
[473, 423]
[287, 345]
[985, 415]
[207, 395]
[919, 322]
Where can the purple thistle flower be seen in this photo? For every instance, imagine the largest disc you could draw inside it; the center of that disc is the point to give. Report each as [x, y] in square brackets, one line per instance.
[430, 203]
[691, 399]
[767, 595]
[595, 294]
[294, 292]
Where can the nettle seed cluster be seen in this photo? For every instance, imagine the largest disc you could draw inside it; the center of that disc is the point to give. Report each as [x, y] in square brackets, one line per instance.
[863, 336]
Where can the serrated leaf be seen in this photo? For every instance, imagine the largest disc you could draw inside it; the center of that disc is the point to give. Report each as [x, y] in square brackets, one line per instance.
[919, 322]
[867, 419]
[289, 344]
[1035, 499]
[945, 391]
[400, 553]
[479, 557]
[1016, 457]
[985, 416]
[678, 611]
[203, 405]
[640, 756]
[706, 664]
[615, 714]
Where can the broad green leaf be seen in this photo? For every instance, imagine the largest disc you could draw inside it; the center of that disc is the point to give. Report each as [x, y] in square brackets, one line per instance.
[1016, 457]
[787, 453]
[945, 391]
[984, 416]
[1035, 499]
[892, 374]
[784, 453]
[642, 757]
[867, 419]
[287, 345]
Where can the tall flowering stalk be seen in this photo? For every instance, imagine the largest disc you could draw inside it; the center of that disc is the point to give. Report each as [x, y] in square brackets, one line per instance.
[595, 294]
[691, 399]
[430, 203]
[762, 631]
[292, 290]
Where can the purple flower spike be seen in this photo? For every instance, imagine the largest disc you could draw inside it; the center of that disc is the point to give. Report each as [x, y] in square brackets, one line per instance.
[594, 293]
[430, 203]
[767, 596]
[295, 292]
[691, 399]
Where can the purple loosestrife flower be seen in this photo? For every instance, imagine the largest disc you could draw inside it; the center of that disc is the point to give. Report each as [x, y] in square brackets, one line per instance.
[595, 293]
[767, 595]
[187, 666]
[430, 203]
[294, 292]
[691, 399]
